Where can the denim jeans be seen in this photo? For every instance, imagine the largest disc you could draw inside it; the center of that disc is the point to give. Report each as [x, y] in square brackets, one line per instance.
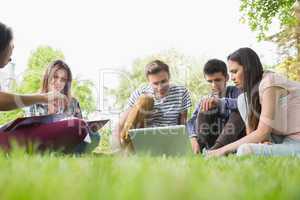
[215, 132]
[288, 147]
[85, 147]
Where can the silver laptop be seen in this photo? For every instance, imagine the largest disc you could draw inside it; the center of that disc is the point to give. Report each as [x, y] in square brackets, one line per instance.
[157, 141]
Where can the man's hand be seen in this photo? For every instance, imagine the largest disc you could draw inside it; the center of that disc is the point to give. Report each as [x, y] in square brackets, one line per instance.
[195, 145]
[209, 103]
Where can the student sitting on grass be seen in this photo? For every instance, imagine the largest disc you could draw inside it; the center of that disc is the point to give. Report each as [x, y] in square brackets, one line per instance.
[270, 107]
[58, 78]
[156, 104]
[216, 121]
[48, 135]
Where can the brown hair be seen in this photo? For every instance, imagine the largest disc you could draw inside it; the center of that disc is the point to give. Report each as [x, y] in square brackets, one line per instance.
[52, 68]
[156, 66]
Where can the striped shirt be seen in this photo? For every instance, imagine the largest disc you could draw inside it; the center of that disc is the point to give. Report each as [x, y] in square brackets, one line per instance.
[166, 111]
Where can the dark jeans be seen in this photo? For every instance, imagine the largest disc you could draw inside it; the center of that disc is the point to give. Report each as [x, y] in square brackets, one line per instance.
[85, 147]
[215, 132]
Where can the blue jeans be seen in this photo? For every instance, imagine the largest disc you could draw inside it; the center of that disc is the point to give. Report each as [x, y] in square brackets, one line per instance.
[85, 147]
[288, 147]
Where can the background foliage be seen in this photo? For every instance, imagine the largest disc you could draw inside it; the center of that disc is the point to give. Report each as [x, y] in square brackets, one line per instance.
[263, 15]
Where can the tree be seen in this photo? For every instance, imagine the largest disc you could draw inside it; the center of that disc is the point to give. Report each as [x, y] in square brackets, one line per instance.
[291, 68]
[260, 14]
[184, 70]
[37, 63]
[82, 91]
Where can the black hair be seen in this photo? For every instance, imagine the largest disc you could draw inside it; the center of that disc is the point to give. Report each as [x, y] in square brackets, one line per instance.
[214, 66]
[6, 36]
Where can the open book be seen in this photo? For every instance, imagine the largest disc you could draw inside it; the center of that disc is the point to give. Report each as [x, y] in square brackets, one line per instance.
[28, 121]
[94, 125]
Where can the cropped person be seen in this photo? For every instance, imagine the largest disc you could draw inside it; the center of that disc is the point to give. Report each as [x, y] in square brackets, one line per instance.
[58, 78]
[47, 135]
[269, 105]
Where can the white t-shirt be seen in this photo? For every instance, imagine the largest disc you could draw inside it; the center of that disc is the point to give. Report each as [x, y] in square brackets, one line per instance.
[242, 106]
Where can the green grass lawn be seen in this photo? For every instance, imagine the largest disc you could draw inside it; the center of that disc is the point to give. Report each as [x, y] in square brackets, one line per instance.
[89, 177]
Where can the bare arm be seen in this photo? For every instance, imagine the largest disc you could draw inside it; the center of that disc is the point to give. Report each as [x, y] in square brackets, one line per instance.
[117, 130]
[10, 101]
[183, 118]
[248, 130]
[269, 100]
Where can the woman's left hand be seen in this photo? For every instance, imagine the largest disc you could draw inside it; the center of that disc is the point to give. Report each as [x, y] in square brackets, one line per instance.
[215, 153]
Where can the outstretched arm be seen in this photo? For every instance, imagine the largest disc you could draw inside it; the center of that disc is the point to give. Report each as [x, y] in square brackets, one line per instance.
[10, 101]
[116, 134]
[269, 101]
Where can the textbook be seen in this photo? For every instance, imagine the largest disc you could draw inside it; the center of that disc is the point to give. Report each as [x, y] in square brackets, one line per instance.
[29, 121]
[94, 125]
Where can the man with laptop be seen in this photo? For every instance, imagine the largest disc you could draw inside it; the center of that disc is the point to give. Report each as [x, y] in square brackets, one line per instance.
[157, 104]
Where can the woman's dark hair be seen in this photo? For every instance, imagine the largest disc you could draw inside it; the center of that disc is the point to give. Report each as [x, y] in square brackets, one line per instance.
[6, 36]
[49, 74]
[214, 66]
[253, 73]
[155, 67]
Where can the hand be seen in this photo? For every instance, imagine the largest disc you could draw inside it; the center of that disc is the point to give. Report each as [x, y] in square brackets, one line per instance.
[55, 98]
[215, 153]
[55, 108]
[195, 145]
[56, 101]
[266, 142]
[209, 103]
